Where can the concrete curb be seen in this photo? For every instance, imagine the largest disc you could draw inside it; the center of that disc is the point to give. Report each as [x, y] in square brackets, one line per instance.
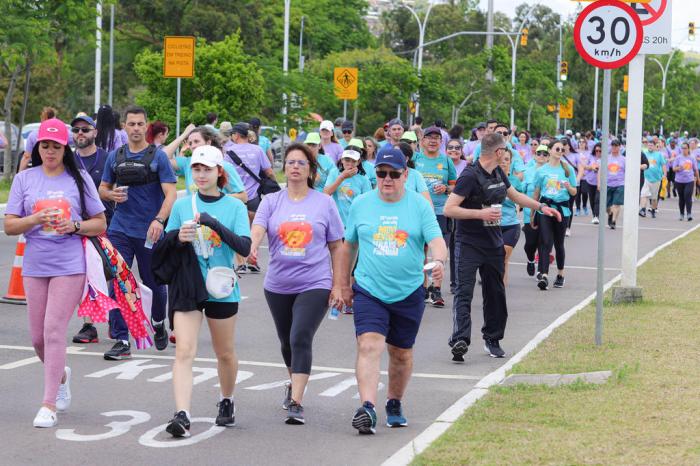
[443, 422]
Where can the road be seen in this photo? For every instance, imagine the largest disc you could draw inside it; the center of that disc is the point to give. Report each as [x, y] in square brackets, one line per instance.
[120, 409]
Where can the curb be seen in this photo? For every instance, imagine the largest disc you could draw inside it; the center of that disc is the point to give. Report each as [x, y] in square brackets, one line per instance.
[445, 420]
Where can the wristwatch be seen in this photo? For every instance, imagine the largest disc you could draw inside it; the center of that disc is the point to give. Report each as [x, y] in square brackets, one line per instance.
[160, 220]
[76, 225]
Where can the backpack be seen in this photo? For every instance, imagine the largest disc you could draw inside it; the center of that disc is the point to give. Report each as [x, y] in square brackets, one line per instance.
[135, 172]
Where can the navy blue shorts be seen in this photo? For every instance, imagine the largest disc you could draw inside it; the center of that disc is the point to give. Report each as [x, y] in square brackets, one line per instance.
[398, 322]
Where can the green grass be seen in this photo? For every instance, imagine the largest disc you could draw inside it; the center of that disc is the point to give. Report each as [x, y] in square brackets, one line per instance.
[648, 413]
[4, 190]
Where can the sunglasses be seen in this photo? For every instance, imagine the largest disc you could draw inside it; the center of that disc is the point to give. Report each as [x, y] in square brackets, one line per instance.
[80, 130]
[558, 149]
[597, 151]
[543, 154]
[392, 174]
[534, 144]
[301, 163]
[347, 131]
[502, 133]
[454, 147]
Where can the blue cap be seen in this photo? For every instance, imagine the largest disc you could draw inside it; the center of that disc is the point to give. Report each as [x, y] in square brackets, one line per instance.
[84, 118]
[391, 156]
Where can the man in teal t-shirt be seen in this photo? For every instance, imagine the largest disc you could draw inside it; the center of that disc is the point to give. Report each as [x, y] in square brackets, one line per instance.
[440, 175]
[652, 180]
[390, 226]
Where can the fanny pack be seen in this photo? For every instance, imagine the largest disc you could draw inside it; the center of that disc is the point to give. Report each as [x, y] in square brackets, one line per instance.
[220, 280]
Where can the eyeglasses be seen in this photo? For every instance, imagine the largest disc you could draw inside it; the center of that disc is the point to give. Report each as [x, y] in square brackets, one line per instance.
[502, 133]
[82, 129]
[301, 163]
[558, 149]
[392, 174]
[454, 147]
[597, 151]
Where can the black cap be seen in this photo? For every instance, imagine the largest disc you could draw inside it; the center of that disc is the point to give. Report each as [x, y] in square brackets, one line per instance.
[338, 121]
[241, 128]
[615, 142]
[255, 122]
[432, 130]
[481, 125]
[347, 124]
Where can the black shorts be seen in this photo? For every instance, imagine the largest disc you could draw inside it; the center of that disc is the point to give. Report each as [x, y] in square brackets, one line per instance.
[253, 204]
[216, 310]
[511, 235]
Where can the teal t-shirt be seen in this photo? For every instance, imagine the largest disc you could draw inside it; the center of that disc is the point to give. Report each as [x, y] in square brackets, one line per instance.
[264, 143]
[370, 173]
[325, 166]
[347, 192]
[655, 172]
[550, 180]
[435, 171]
[415, 181]
[391, 239]
[509, 210]
[231, 213]
[529, 186]
[235, 184]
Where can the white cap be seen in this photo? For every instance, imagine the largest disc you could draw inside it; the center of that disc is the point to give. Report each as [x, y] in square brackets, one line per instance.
[569, 132]
[351, 154]
[326, 124]
[207, 155]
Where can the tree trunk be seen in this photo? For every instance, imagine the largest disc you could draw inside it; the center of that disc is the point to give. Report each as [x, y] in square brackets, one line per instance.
[25, 100]
[7, 113]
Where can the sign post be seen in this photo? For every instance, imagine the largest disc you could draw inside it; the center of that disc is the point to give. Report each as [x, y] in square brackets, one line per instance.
[345, 86]
[608, 34]
[178, 62]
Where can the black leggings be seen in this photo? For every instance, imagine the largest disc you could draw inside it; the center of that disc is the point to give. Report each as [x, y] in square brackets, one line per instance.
[685, 197]
[551, 234]
[532, 239]
[591, 192]
[671, 187]
[297, 317]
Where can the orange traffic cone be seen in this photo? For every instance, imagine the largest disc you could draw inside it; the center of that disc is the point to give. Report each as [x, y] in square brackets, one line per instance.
[15, 290]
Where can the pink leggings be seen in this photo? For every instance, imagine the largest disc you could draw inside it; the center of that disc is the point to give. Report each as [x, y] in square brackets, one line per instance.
[51, 302]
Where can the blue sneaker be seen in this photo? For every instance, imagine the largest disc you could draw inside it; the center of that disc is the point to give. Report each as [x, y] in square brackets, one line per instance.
[394, 414]
[365, 419]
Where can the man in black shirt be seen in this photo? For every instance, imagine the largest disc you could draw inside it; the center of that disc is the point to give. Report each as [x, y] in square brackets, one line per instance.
[476, 205]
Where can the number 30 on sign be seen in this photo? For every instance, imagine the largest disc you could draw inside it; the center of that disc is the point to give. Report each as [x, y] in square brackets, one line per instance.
[608, 34]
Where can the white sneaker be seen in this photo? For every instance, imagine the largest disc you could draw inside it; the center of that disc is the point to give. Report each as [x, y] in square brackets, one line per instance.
[63, 397]
[595, 221]
[568, 232]
[45, 418]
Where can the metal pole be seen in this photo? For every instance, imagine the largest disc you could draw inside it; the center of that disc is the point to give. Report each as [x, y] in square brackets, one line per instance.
[301, 46]
[285, 67]
[421, 39]
[617, 114]
[603, 199]
[595, 99]
[560, 85]
[345, 109]
[111, 54]
[630, 234]
[177, 109]
[398, 111]
[513, 59]
[98, 56]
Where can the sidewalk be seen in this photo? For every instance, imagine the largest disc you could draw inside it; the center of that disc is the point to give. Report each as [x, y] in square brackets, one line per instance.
[647, 413]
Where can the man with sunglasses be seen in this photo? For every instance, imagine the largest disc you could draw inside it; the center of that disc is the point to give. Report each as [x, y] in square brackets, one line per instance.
[389, 226]
[475, 203]
[347, 130]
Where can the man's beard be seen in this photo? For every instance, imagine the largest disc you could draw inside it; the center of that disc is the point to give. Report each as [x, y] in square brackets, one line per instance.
[86, 143]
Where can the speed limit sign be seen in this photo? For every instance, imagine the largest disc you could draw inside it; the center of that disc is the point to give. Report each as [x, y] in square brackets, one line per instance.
[608, 34]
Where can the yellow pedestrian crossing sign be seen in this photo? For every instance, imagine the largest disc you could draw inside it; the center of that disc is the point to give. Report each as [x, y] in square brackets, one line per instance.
[345, 83]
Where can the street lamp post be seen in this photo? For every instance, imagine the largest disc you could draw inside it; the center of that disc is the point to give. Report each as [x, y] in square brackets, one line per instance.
[421, 38]
[664, 72]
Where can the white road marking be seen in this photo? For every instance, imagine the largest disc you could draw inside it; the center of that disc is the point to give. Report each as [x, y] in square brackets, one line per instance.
[20, 363]
[620, 227]
[340, 387]
[380, 387]
[281, 383]
[205, 373]
[149, 438]
[127, 370]
[343, 370]
[241, 377]
[117, 428]
[581, 267]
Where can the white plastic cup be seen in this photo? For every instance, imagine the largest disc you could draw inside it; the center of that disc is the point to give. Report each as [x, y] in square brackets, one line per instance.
[428, 268]
[124, 190]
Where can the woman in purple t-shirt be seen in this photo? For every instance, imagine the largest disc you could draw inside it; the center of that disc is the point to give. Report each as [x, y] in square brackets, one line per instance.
[616, 183]
[53, 204]
[589, 182]
[685, 167]
[304, 235]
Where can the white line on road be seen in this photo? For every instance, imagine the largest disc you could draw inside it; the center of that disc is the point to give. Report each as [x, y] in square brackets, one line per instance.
[422, 375]
[20, 363]
[572, 267]
[620, 227]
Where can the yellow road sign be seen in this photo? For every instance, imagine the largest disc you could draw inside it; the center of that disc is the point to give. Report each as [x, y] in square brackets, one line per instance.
[566, 111]
[178, 57]
[292, 134]
[345, 83]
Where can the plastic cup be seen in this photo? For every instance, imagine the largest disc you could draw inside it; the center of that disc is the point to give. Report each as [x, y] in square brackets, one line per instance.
[428, 268]
[123, 189]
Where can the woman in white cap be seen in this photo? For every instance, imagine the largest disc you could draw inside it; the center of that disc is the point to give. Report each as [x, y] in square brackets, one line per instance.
[216, 226]
[346, 182]
[329, 142]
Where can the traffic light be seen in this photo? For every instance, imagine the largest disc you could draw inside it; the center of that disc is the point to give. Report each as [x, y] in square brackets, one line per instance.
[626, 83]
[691, 31]
[523, 38]
[623, 113]
[564, 71]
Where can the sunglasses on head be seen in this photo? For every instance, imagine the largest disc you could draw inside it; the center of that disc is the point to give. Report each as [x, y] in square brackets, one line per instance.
[84, 130]
[453, 147]
[394, 175]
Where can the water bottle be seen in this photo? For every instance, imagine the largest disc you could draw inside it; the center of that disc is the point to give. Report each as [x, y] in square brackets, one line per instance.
[333, 312]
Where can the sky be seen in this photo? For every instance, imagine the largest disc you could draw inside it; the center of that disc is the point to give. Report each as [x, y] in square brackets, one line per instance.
[684, 11]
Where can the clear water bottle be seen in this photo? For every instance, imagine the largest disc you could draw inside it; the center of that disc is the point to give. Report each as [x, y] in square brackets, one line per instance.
[333, 312]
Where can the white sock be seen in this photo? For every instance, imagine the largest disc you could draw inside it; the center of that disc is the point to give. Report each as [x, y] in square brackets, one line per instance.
[126, 342]
[222, 398]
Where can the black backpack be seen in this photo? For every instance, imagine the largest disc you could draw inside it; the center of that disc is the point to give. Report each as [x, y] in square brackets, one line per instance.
[135, 172]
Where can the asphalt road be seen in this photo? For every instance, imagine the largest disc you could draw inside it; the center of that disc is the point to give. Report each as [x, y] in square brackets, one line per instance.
[120, 409]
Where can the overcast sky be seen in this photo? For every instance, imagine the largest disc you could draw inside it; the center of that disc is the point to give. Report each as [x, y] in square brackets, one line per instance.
[684, 11]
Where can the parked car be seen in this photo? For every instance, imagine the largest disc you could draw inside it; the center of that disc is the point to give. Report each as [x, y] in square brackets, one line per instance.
[275, 136]
[13, 141]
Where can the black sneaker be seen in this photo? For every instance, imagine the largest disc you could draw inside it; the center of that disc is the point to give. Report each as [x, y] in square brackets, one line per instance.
[642, 212]
[459, 349]
[119, 351]
[610, 220]
[394, 414]
[287, 395]
[179, 425]
[539, 276]
[543, 283]
[653, 213]
[295, 414]
[559, 282]
[87, 334]
[613, 225]
[690, 218]
[531, 268]
[160, 336]
[428, 293]
[253, 268]
[436, 298]
[365, 419]
[493, 349]
[226, 416]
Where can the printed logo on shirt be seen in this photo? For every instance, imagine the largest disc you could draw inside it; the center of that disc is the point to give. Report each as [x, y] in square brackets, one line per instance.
[295, 235]
[61, 207]
[652, 162]
[553, 185]
[211, 240]
[389, 239]
[613, 167]
[346, 193]
[687, 166]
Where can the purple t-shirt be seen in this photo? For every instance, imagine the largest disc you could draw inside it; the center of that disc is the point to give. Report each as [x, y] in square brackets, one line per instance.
[255, 159]
[298, 233]
[334, 151]
[470, 147]
[459, 166]
[616, 171]
[524, 151]
[688, 166]
[591, 176]
[49, 254]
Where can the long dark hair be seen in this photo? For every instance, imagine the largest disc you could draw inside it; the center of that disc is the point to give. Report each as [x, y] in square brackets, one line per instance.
[313, 164]
[72, 168]
[564, 166]
[408, 153]
[106, 128]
